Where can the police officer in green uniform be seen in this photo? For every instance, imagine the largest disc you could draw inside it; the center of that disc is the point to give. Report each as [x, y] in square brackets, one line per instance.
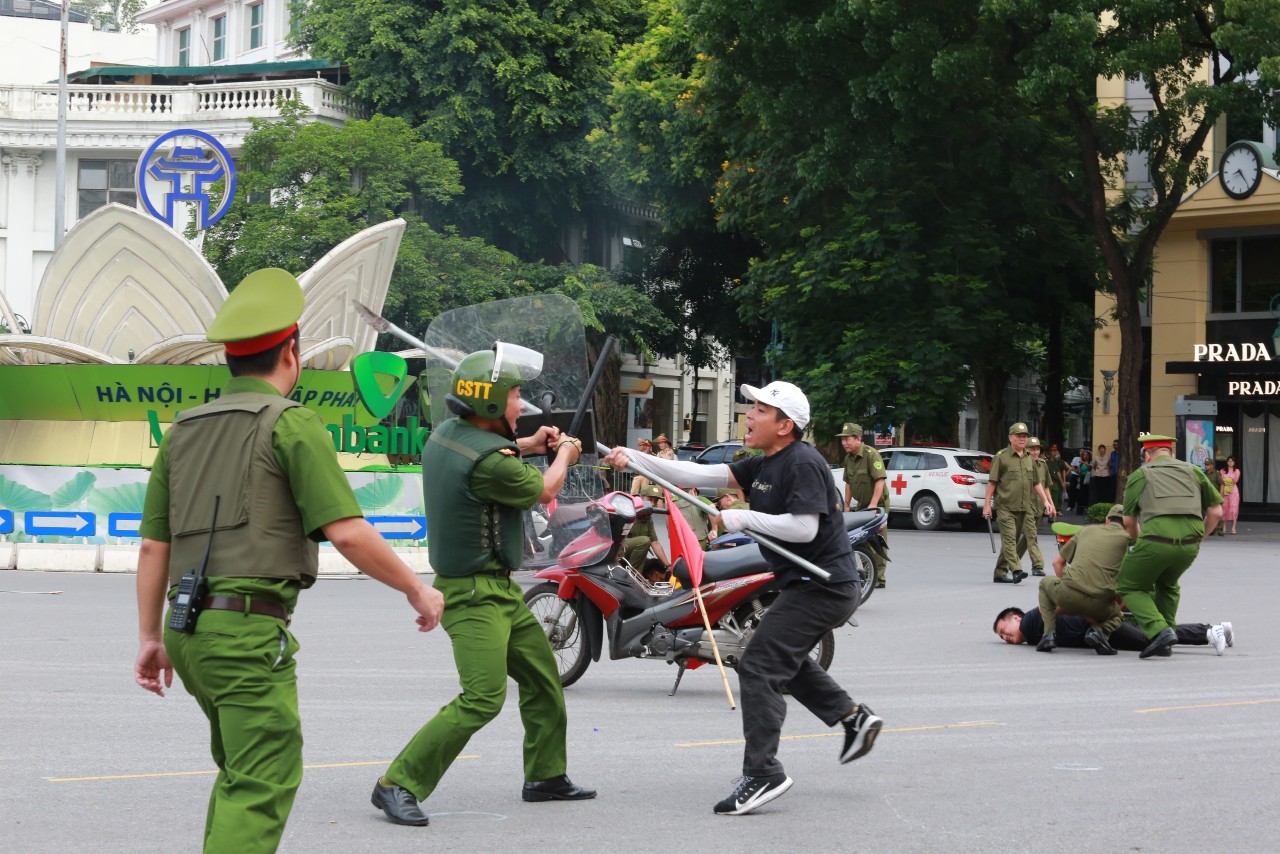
[271, 465]
[1169, 507]
[644, 534]
[1028, 540]
[864, 481]
[1014, 483]
[696, 518]
[1084, 583]
[476, 488]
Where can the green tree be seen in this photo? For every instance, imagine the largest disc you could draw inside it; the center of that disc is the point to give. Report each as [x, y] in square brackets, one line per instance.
[510, 89]
[116, 14]
[903, 256]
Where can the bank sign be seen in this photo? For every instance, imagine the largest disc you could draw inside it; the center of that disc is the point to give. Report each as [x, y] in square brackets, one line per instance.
[380, 380]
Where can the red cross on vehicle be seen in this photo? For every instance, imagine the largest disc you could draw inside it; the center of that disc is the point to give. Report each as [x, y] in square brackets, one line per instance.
[899, 483]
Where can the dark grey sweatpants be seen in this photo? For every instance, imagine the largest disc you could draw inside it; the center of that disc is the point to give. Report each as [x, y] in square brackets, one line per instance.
[778, 655]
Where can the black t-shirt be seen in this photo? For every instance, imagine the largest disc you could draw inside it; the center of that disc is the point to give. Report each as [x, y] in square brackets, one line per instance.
[798, 480]
[1069, 632]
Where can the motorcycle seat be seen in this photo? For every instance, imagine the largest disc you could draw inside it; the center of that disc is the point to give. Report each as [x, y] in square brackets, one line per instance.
[724, 564]
[858, 518]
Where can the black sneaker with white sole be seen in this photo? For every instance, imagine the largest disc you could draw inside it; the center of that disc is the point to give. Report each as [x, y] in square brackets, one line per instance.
[753, 792]
[860, 733]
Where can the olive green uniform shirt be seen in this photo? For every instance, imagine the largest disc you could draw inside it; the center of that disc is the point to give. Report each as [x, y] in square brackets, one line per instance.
[1173, 527]
[1094, 556]
[861, 471]
[304, 451]
[1015, 478]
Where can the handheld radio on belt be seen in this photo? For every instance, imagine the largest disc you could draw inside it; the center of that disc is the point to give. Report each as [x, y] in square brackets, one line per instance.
[193, 586]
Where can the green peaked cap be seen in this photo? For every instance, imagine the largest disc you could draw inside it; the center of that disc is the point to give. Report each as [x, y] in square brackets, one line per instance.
[266, 301]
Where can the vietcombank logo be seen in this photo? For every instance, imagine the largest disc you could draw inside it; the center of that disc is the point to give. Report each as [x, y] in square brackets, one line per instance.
[351, 438]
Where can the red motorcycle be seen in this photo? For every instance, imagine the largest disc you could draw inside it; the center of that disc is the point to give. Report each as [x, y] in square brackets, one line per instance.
[592, 592]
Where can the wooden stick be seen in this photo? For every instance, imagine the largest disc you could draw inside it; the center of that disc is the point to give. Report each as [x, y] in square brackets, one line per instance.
[715, 648]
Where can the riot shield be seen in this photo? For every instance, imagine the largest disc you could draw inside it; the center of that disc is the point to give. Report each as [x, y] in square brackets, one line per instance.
[551, 324]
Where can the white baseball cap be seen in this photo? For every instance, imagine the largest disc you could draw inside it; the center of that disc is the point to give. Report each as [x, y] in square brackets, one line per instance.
[785, 396]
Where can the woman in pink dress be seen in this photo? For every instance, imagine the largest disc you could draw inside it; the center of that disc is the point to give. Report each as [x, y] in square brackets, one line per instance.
[1231, 498]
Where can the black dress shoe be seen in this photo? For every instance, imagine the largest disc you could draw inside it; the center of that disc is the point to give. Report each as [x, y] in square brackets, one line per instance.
[399, 804]
[1005, 579]
[1018, 575]
[1047, 643]
[879, 585]
[1161, 644]
[1098, 641]
[1037, 570]
[556, 789]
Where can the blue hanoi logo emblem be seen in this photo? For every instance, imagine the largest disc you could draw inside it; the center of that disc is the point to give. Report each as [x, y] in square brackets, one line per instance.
[170, 172]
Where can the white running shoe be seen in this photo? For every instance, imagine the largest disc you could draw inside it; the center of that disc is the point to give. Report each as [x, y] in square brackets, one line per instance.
[1230, 635]
[1216, 636]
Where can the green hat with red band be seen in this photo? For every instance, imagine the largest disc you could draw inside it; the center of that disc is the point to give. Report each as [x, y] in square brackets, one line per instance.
[261, 312]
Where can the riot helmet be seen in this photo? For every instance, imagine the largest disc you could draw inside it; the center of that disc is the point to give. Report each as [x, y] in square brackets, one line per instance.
[482, 380]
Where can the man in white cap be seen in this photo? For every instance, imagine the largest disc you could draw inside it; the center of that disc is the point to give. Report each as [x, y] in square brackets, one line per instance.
[791, 500]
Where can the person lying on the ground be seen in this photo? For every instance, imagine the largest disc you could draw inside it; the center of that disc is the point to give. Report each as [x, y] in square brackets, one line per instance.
[1015, 626]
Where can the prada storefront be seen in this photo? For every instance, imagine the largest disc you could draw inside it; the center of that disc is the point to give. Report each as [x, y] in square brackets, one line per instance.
[1214, 324]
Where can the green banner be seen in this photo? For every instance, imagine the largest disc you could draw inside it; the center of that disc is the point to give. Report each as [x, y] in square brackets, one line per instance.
[130, 392]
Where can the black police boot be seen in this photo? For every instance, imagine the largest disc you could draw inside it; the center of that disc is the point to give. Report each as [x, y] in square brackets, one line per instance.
[1037, 570]
[1161, 644]
[1098, 641]
[1047, 643]
[1006, 579]
[1018, 575]
[556, 789]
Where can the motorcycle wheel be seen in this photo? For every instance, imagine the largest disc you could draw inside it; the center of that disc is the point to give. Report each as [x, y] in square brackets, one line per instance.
[748, 615]
[865, 565]
[568, 643]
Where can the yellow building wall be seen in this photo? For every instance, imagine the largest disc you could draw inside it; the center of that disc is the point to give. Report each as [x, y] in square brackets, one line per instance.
[1179, 305]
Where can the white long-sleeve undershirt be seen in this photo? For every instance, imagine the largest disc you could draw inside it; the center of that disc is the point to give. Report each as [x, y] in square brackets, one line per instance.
[791, 527]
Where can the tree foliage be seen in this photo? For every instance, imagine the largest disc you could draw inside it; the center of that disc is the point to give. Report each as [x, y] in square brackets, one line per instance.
[510, 89]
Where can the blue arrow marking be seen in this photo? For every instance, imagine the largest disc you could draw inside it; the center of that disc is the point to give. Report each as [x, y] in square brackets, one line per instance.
[6, 521]
[59, 523]
[124, 524]
[399, 527]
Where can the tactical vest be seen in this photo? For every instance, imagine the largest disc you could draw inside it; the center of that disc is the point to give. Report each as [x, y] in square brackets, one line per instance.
[224, 449]
[1171, 489]
[466, 534]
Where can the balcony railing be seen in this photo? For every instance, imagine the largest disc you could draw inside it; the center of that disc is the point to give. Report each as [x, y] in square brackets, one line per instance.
[109, 103]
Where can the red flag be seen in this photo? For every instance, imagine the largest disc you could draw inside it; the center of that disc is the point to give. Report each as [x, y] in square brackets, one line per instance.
[684, 543]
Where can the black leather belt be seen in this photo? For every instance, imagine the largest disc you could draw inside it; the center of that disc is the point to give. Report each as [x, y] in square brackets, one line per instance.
[265, 607]
[1185, 542]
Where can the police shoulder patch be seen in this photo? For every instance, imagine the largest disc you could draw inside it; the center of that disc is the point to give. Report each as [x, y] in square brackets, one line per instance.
[507, 451]
[878, 464]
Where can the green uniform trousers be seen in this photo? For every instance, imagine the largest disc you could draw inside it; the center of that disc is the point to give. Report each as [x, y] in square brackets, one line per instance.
[1148, 582]
[1099, 609]
[881, 563]
[494, 635]
[1028, 541]
[1012, 541]
[636, 551]
[240, 669]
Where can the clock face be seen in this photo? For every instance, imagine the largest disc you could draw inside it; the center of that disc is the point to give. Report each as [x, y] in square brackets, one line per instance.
[1241, 170]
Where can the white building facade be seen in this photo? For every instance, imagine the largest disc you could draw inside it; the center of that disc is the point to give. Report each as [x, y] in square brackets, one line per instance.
[110, 124]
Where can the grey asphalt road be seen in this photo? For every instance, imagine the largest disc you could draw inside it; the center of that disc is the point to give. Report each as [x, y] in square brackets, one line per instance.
[987, 747]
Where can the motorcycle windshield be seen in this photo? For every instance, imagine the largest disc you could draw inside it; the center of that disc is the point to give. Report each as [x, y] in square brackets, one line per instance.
[548, 326]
